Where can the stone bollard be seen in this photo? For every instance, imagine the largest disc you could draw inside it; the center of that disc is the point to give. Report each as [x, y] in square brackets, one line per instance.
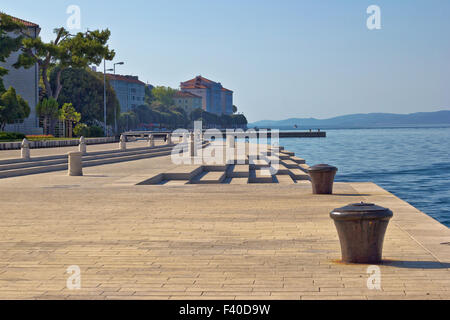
[192, 148]
[25, 149]
[82, 146]
[151, 141]
[169, 138]
[322, 178]
[75, 164]
[123, 142]
[361, 228]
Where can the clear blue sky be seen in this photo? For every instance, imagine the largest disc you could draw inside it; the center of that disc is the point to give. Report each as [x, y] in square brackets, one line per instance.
[281, 58]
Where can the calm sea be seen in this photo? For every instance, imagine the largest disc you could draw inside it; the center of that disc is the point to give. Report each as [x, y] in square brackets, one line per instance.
[412, 163]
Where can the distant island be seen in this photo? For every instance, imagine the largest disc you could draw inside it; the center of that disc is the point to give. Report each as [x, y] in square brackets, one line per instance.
[370, 120]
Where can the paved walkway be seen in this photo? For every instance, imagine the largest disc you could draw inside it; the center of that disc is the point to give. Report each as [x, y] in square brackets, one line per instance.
[202, 242]
[14, 154]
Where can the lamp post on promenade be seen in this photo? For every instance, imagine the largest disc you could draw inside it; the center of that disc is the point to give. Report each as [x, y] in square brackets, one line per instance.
[104, 95]
[115, 111]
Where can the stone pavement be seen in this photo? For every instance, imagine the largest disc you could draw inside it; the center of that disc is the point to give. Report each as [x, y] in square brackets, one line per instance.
[14, 154]
[219, 241]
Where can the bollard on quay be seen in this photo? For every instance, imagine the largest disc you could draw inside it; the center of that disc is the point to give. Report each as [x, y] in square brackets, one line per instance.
[322, 178]
[123, 142]
[25, 149]
[82, 145]
[169, 138]
[75, 168]
[361, 228]
[192, 149]
[151, 141]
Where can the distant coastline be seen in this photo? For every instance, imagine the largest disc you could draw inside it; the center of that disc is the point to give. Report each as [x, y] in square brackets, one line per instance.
[362, 121]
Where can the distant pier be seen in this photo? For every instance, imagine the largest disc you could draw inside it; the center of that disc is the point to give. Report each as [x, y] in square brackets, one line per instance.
[268, 133]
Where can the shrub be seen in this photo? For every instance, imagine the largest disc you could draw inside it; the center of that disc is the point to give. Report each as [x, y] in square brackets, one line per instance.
[11, 136]
[84, 130]
[40, 136]
[96, 131]
[81, 129]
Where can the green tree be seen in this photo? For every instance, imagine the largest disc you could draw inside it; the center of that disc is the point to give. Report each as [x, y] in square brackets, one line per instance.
[149, 97]
[66, 51]
[48, 109]
[235, 109]
[84, 89]
[12, 107]
[164, 95]
[70, 116]
[8, 44]
[128, 121]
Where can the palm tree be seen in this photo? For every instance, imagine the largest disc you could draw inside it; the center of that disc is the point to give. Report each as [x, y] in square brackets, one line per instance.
[48, 109]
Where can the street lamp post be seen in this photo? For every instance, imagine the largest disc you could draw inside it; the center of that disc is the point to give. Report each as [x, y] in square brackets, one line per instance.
[104, 95]
[115, 111]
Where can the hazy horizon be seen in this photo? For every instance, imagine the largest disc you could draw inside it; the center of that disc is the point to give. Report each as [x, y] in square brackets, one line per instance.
[286, 59]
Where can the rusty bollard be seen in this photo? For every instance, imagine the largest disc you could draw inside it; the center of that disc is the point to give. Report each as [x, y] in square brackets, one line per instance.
[361, 228]
[322, 178]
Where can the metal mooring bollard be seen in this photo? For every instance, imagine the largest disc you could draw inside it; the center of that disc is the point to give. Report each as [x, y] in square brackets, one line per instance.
[361, 228]
[151, 141]
[82, 145]
[25, 149]
[169, 138]
[322, 178]
[75, 164]
[123, 142]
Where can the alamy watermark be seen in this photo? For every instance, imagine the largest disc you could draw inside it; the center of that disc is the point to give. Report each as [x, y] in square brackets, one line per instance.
[374, 280]
[227, 147]
[74, 280]
[374, 20]
[74, 20]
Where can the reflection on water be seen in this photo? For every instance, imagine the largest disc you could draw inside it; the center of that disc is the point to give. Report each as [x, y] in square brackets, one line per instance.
[412, 163]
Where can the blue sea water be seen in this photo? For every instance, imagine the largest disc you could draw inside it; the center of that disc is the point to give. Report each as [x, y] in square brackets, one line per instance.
[412, 163]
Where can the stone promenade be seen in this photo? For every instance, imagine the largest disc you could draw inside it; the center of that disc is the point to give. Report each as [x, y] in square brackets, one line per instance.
[218, 241]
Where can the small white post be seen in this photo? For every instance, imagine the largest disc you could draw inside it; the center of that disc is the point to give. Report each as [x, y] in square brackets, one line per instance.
[169, 138]
[25, 149]
[75, 168]
[82, 145]
[192, 149]
[123, 142]
[151, 141]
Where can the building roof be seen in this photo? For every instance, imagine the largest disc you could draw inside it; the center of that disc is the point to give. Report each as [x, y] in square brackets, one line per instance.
[200, 82]
[194, 86]
[197, 81]
[24, 22]
[185, 94]
[129, 79]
